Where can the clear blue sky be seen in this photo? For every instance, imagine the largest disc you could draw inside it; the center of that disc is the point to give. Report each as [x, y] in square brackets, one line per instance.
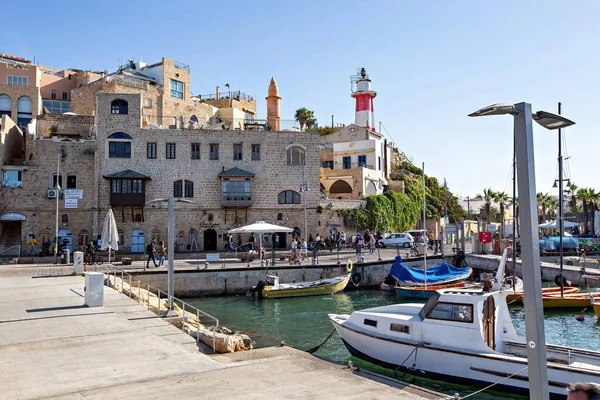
[431, 62]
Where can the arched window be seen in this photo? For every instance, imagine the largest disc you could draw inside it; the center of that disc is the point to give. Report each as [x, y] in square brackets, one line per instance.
[178, 189]
[295, 156]
[54, 177]
[288, 197]
[138, 217]
[5, 105]
[210, 218]
[121, 237]
[119, 145]
[24, 111]
[119, 107]
[340, 186]
[279, 217]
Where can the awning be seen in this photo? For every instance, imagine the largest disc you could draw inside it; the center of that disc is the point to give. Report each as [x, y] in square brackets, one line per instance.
[127, 174]
[235, 172]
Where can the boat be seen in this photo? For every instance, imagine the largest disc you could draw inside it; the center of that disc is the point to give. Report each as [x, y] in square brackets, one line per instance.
[596, 306]
[278, 290]
[424, 292]
[574, 300]
[439, 274]
[545, 291]
[460, 336]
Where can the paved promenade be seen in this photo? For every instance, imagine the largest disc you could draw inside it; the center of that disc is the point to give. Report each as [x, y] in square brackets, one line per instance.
[51, 346]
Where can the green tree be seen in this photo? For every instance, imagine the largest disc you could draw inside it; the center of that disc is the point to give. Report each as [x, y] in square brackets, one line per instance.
[541, 202]
[572, 194]
[306, 118]
[593, 206]
[488, 197]
[582, 195]
[502, 199]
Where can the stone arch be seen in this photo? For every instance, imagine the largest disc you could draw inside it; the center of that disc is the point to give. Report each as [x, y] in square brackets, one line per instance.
[340, 186]
[371, 188]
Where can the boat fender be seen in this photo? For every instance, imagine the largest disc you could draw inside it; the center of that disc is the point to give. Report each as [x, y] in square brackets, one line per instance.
[349, 265]
[356, 278]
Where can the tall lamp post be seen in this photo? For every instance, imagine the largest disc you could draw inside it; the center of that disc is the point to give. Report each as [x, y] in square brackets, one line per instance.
[530, 254]
[171, 245]
[304, 188]
[57, 188]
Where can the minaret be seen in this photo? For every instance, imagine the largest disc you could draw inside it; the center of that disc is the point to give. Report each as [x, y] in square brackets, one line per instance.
[364, 102]
[273, 107]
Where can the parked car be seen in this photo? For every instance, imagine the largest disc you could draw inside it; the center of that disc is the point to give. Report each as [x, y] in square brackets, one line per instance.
[397, 239]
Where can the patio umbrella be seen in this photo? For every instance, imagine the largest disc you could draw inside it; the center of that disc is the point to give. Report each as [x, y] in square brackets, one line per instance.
[110, 235]
[554, 224]
[260, 227]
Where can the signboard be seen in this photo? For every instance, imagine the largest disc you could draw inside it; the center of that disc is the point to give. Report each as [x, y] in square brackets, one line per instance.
[70, 202]
[12, 216]
[451, 230]
[446, 220]
[73, 193]
[485, 237]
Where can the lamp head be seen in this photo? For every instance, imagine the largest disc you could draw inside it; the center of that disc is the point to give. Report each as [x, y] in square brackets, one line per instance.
[494, 109]
[555, 185]
[568, 183]
[550, 120]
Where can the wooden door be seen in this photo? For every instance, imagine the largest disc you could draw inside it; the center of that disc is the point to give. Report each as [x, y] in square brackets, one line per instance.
[489, 322]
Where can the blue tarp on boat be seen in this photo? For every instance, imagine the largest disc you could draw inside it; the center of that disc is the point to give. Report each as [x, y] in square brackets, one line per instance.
[438, 273]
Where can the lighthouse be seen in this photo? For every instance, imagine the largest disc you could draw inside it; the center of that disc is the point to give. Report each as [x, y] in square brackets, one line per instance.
[361, 91]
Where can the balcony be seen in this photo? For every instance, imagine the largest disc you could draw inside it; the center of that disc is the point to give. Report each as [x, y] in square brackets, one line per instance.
[182, 66]
[127, 199]
[128, 81]
[235, 95]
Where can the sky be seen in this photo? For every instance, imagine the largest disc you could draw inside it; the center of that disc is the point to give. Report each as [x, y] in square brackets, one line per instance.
[431, 63]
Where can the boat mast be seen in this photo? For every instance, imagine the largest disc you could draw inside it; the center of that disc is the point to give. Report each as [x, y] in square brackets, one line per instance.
[561, 223]
[424, 231]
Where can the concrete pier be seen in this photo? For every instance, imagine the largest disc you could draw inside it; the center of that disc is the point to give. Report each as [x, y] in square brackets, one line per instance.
[53, 346]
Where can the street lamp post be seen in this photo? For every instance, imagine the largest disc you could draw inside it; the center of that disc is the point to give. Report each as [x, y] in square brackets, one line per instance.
[530, 255]
[170, 253]
[57, 187]
[304, 188]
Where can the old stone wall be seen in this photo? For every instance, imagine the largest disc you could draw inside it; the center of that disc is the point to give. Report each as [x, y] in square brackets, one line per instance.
[64, 125]
[12, 144]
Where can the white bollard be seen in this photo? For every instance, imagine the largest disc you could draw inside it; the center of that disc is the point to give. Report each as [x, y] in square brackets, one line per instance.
[78, 263]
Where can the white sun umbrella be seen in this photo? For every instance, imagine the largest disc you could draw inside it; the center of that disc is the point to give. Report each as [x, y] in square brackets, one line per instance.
[260, 227]
[554, 224]
[110, 234]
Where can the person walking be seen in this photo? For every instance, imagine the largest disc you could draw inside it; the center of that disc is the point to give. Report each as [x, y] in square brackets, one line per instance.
[343, 238]
[304, 248]
[162, 253]
[230, 242]
[32, 243]
[276, 240]
[372, 244]
[251, 240]
[439, 241]
[151, 251]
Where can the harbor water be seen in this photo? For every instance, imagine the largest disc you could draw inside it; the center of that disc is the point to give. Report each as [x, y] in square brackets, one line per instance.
[302, 322]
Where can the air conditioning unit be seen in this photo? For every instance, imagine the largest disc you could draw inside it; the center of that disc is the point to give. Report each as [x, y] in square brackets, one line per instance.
[52, 193]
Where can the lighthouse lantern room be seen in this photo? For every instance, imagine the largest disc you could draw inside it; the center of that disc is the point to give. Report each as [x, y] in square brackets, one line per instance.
[361, 91]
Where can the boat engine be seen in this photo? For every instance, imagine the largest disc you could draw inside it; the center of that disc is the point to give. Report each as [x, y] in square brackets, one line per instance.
[259, 287]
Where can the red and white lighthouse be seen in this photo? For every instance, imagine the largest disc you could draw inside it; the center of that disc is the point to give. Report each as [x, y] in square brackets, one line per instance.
[364, 100]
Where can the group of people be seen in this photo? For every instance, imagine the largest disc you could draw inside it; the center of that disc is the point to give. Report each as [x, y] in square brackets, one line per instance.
[368, 240]
[153, 251]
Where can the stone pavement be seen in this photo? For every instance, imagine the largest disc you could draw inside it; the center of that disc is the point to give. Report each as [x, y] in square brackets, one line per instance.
[51, 346]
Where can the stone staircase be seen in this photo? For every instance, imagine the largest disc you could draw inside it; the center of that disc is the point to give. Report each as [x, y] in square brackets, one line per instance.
[9, 251]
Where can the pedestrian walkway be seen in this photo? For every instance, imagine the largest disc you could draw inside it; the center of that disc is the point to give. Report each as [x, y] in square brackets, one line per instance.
[53, 346]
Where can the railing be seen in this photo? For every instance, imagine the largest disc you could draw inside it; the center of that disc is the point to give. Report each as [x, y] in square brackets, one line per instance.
[18, 247]
[180, 65]
[128, 81]
[141, 285]
[224, 95]
[214, 122]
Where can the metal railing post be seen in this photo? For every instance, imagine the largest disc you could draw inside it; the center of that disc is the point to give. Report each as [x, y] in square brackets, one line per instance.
[130, 291]
[138, 296]
[198, 326]
[148, 294]
[158, 303]
[183, 305]
[122, 281]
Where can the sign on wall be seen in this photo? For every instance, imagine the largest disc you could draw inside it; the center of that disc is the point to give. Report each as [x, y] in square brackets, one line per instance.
[12, 216]
[73, 193]
[70, 202]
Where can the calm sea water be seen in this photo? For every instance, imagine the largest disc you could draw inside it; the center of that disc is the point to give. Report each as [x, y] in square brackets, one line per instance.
[303, 323]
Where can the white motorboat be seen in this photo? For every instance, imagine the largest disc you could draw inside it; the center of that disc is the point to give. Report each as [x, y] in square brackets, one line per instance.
[459, 335]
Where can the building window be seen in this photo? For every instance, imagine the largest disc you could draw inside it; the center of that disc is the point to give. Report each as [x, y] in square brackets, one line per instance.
[288, 197]
[53, 94]
[119, 107]
[279, 217]
[65, 219]
[13, 80]
[65, 96]
[176, 89]
[347, 162]
[256, 152]
[57, 107]
[195, 151]
[84, 238]
[71, 181]
[148, 102]
[119, 149]
[170, 151]
[362, 161]
[295, 156]
[237, 151]
[151, 150]
[379, 162]
[53, 179]
[210, 218]
[5, 105]
[236, 190]
[11, 179]
[127, 186]
[327, 164]
[24, 110]
[178, 189]
[214, 151]
[138, 217]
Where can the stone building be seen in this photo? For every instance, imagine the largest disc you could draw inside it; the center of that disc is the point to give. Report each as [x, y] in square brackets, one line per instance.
[233, 177]
[355, 163]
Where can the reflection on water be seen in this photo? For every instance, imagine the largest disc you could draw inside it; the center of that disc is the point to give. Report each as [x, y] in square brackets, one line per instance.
[303, 323]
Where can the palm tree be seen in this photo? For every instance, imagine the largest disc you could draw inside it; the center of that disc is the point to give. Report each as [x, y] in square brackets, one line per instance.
[502, 199]
[551, 205]
[582, 194]
[488, 196]
[541, 200]
[593, 205]
[305, 117]
[572, 191]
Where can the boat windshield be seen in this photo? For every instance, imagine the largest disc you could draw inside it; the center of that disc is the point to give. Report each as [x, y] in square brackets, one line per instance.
[429, 305]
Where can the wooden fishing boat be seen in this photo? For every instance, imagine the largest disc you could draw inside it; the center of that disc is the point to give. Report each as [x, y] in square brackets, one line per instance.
[297, 289]
[422, 292]
[575, 300]
[545, 291]
[596, 306]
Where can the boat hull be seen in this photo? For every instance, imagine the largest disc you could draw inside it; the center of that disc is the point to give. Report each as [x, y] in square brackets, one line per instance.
[420, 292]
[596, 309]
[545, 291]
[477, 369]
[577, 300]
[270, 293]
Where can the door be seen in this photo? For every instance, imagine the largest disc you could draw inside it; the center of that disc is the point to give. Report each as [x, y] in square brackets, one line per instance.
[65, 236]
[210, 240]
[282, 240]
[489, 322]
[138, 242]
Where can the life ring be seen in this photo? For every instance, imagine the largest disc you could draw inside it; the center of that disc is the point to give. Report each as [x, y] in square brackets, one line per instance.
[349, 265]
[356, 277]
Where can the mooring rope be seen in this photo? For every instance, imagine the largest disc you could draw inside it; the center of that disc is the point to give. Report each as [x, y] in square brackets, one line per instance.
[493, 384]
[313, 349]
